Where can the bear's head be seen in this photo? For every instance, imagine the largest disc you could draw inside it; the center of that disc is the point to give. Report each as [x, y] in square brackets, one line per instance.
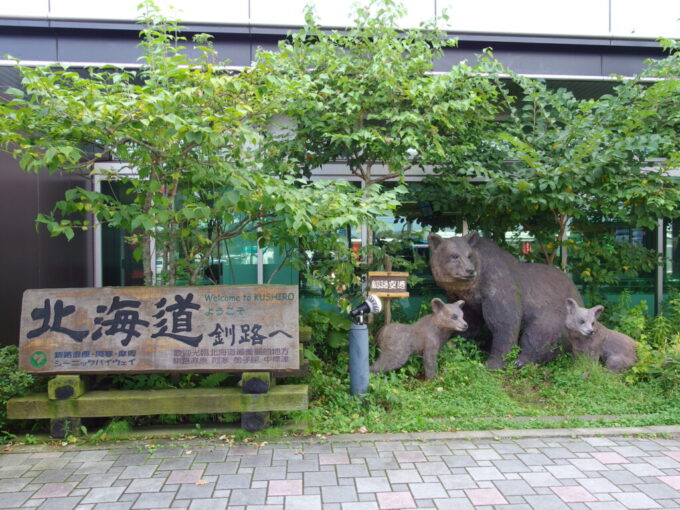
[449, 316]
[582, 320]
[454, 262]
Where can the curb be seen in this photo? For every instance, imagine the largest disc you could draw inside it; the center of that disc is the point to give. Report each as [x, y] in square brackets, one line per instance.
[470, 435]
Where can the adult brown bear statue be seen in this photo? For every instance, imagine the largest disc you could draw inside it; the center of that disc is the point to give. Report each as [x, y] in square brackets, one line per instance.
[507, 295]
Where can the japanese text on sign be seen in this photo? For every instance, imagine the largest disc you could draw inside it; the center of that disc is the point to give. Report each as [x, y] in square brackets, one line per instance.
[142, 328]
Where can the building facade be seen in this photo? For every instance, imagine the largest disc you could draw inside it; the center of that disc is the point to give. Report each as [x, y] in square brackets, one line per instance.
[576, 44]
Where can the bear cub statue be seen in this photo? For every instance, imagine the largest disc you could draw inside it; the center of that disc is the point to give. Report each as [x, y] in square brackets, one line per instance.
[427, 336]
[589, 337]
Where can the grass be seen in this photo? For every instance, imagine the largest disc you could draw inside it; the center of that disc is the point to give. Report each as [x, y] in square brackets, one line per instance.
[566, 393]
[467, 396]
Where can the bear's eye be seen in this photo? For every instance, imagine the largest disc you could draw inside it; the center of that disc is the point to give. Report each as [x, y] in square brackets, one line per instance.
[454, 257]
[455, 317]
[581, 321]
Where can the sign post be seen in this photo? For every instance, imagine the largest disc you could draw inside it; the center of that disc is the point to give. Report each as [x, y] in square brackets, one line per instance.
[387, 285]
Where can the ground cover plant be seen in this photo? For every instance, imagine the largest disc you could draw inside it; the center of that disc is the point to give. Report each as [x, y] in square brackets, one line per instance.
[566, 392]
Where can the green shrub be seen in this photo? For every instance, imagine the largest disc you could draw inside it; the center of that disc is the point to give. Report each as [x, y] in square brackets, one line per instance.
[13, 383]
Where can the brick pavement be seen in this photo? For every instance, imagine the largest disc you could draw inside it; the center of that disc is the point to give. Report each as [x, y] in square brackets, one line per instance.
[438, 471]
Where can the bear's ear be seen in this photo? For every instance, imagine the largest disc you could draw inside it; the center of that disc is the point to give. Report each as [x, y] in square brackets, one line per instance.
[597, 310]
[459, 304]
[437, 304]
[472, 238]
[571, 305]
[434, 240]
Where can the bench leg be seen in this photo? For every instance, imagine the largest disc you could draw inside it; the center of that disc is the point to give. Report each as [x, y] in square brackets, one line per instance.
[256, 383]
[65, 387]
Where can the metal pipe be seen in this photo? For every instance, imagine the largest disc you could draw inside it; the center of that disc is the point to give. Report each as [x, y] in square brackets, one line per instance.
[358, 359]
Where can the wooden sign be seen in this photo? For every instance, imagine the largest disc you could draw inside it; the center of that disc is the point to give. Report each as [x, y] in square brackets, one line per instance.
[159, 329]
[388, 284]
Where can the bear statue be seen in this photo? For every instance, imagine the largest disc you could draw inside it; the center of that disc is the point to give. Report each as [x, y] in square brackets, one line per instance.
[427, 336]
[589, 337]
[519, 302]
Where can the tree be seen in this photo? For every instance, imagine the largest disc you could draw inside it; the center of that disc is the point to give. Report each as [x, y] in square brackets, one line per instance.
[366, 96]
[558, 164]
[193, 134]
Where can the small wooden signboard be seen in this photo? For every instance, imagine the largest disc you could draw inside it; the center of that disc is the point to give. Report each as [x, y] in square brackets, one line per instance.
[160, 329]
[387, 284]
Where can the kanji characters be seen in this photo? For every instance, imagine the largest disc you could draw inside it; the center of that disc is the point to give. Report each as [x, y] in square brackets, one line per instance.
[181, 319]
[125, 320]
[60, 311]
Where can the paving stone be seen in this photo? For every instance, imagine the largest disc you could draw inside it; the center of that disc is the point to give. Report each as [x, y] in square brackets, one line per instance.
[338, 494]
[432, 468]
[312, 479]
[312, 502]
[555, 453]
[367, 505]
[138, 472]
[60, 503]
[636, 500]
[131, 459]
[248, 497]
[233, 481]
[456, 461]
[573, 494]
[546, 502]
[326, 459]
[218, 455]
[565, 472]
[513, 487]
[154, 500]
[222, 468]
[13, 485]
[458, 482]
[303, 466]
[91, 481]
[372, 484]
[403, 476]
[534, 459]
[210, 504]
[485, 473]
[454, 503]
[609, 458]
[395, 500]
[485, 497]
[621, 477]
[351, 471]
[658, 491]
[409, 456]
[269, 473]
[55, 490]
[540, 479]
[595, 485]
[193, 491]
[285, 488]
[511, 466]
[13, 499]
[630, 451]
[103, 495]
[89, 468]
[146, 485]
[643, 469]
[671, 481]
[427, 490]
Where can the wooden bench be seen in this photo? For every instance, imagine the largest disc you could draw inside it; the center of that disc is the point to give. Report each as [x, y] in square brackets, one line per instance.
[70, 333]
